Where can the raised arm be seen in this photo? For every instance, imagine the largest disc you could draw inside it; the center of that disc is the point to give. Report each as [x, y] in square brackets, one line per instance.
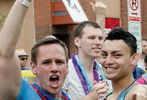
[100, 9]
[10, 76]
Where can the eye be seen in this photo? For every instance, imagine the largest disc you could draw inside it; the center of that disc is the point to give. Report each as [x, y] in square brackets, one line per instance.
[91, 37]
[60, 62]
[117, 55]
[46, 62]
[100, 38]
[104, 55]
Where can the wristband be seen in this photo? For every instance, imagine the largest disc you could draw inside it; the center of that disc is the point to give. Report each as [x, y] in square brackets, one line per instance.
[24, 2]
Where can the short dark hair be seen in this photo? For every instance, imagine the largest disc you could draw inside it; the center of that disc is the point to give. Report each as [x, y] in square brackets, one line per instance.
[144, 39]
[119, 33]
[44, 41]
[145, 59]
[78, 30]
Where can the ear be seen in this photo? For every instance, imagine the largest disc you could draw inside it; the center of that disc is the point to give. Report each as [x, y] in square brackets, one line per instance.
[77, 42]
[33, 68]
[134, 59]
[67, 70]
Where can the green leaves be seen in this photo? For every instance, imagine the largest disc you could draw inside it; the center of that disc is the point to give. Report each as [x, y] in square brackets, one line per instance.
[2, 18]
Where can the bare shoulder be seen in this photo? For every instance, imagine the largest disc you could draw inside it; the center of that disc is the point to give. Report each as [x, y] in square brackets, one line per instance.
[139, 91]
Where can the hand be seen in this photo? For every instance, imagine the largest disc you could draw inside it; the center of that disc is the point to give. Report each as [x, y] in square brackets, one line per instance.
[139, 96]
[99, 89]
[98, 6]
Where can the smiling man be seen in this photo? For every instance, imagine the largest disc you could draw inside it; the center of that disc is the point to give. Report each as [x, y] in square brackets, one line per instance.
[86, 80]
[118, 59]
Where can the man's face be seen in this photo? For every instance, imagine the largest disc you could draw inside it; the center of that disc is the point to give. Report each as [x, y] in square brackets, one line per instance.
[90, 42]
[23, 61]
[116, 59]
[51, 68]
[144, 47]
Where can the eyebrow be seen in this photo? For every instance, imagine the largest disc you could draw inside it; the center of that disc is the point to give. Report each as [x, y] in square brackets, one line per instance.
[112, 52]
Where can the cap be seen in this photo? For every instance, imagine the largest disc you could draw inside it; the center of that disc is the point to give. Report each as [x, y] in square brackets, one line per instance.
[21, 52]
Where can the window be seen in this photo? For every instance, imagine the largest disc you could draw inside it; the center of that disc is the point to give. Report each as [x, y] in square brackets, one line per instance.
[59, 13]
[55, 0]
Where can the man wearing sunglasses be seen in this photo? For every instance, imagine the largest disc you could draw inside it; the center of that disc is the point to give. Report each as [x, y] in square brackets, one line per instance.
[23, 58]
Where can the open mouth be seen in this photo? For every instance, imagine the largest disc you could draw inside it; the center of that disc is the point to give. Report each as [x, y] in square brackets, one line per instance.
[54, 80]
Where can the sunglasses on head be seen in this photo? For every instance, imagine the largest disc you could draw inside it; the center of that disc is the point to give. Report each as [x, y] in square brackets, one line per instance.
[23, 58]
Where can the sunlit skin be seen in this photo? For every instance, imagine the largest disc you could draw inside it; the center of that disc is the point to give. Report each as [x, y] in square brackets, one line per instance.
[51, 62]
[116, 60]
[118, 66]
[90, 42]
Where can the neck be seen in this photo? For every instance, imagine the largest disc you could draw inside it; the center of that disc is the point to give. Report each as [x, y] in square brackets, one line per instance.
[56, 96]
[121, 84]
[86, 61]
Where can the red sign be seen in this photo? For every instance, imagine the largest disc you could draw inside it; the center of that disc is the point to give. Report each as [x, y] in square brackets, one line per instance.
[134, 4]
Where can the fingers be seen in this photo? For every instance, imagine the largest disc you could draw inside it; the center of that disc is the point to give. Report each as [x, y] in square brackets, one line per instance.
[94, 82]
[139, 96]
[100, 88]
[134, 97]
[99, 85]
[97, 5]
[100, 4]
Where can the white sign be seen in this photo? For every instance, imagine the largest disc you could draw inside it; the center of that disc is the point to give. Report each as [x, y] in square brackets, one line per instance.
[134, 10]
[75, 10]
[135, 29]
[106, 31]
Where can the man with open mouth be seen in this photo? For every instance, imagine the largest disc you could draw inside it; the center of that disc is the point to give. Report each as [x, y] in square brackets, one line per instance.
[49, 58]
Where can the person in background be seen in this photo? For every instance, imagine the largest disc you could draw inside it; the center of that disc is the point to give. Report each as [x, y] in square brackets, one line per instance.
[23, 58]
[143, 78]
[49, 62]
[86, 80]
[141, 62]
[145, 60]
[118, 59]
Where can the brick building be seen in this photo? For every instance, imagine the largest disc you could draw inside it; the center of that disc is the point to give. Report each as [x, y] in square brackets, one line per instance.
[41, 23]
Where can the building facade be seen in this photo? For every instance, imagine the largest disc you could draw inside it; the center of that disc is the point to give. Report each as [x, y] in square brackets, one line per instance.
[42, 21]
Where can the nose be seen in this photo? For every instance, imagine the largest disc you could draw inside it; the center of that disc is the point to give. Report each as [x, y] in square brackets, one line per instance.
[109, 60]
[98, 41]
[54, 68]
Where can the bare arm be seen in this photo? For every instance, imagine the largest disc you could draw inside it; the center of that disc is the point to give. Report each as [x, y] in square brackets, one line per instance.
[10, 76]
[100, 9]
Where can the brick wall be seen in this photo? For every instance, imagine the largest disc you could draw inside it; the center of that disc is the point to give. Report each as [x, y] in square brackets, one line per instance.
[43, 22]
[124, 16]
[42, 14]
[144, 18]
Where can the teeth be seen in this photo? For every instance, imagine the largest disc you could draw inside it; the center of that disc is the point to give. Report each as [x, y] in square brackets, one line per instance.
[54, 77]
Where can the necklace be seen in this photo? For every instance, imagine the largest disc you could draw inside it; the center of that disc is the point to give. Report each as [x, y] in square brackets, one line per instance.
[124, 92]
[86, 83]
[45, 96]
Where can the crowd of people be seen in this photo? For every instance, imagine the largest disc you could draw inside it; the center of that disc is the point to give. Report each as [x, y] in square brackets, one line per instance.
[80, 78]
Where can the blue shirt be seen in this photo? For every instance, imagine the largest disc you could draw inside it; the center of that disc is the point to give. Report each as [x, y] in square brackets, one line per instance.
[27, 92]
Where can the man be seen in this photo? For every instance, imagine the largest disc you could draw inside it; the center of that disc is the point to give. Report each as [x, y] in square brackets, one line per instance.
[118, 59]
[141, 62]
[49, 62]
[85, 74]
[23, 58]
[143, 78]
